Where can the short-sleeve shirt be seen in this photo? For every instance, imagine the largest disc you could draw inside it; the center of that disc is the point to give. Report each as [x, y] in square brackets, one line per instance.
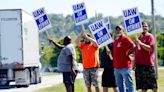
[90, 55]
[63, 63]
[121, 46]
[142, 56]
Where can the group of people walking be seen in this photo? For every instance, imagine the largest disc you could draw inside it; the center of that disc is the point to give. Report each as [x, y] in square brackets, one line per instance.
[117, 63]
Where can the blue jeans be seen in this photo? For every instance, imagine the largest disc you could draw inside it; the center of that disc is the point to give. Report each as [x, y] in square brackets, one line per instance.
[124, 79]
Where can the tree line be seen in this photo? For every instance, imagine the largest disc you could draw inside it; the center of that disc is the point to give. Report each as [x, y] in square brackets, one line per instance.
[64, 25]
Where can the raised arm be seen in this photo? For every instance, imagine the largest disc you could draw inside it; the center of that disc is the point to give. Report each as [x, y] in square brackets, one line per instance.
[78, 38]
[56, 44]
[90, 39]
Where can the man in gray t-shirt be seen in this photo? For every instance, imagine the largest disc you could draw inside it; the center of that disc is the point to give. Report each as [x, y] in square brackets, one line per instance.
[67, 63]
[64, 63]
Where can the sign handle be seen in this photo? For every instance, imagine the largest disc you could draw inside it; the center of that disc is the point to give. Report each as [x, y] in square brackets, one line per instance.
[83, 28]
[48, 36]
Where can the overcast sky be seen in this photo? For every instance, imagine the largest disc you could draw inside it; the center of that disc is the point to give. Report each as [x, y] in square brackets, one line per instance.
[106, 7]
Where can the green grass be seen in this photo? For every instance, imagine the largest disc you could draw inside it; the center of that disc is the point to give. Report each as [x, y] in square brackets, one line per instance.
[49, 74]
[80, 86]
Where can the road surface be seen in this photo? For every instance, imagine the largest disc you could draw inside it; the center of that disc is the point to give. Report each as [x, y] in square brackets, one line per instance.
[47, 81]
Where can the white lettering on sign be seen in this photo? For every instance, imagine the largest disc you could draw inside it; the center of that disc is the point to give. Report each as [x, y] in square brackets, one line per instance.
[102, 39]
[100, 33]
[131, 20]
[79, 13]
[81, 18]
[41, 19]
[78, 6]
[133, 27]
[96, 26]
[130, 12]
[43, 24]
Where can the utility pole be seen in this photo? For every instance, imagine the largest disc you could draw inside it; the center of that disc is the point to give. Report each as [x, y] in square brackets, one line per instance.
[154, 33]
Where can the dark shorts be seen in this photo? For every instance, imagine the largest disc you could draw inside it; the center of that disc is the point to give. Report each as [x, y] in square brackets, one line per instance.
[68, 78]
[145, 77]
[108, 78]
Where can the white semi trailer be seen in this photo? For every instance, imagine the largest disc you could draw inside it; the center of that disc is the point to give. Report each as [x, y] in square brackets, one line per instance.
[19, 48]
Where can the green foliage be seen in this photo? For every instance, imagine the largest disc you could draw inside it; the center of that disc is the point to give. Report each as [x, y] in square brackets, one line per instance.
[79, 87]
[78, 55]
[48, 53]
[160, 46]
[64, 25]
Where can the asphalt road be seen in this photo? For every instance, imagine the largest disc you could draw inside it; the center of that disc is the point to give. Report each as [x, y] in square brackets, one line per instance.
[47, 81]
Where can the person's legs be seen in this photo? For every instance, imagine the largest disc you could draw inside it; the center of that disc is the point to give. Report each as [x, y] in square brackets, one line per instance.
[97, 89]
[139, 72]
[126, 72]
[105, 80]
[105, 89]
[115, 89]
[68, 87]
[73, 88]
[87, 79]
[94, 78]
[146, 78]
[119, 80]
[155, 90]
[73, 77]
[68, 81]
[144, 90]
[89, 89]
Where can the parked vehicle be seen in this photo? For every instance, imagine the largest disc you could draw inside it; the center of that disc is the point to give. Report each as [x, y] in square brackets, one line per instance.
[19, 48]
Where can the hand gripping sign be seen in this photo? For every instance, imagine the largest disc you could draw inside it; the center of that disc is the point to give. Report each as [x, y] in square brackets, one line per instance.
[132, 21]
[42, 19]
[100, 33]
[80, 14]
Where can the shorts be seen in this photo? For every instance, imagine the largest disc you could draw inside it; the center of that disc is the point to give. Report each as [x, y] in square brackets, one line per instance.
[68, 78]
[145, 77]
[91, 77]
[108, 78]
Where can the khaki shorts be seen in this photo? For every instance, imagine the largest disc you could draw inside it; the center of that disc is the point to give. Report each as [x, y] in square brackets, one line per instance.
[91, 77]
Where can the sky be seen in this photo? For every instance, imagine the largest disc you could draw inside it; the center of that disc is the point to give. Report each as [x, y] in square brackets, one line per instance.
[106, 7]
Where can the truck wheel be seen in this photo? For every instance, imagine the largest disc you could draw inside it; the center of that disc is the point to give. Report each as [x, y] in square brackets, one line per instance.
[6, 85]
[32, 78]
[18, 86]
[25, 86]
[37, 76]
[40, 79]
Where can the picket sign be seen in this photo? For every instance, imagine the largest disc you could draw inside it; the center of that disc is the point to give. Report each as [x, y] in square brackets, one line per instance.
[132, 21]
[100, 33]
[80, 14]
[107, 23]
